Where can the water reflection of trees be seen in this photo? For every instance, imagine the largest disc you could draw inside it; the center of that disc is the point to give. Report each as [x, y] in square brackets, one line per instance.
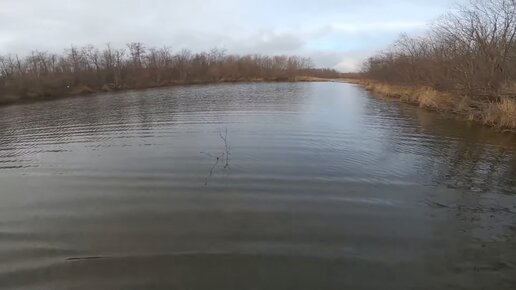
[475, 158]
[455, 153]
[472, 171]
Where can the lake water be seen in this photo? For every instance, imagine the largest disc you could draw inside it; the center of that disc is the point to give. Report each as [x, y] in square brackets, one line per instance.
[325, 187]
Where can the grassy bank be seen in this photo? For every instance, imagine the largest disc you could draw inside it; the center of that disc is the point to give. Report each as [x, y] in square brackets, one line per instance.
[500, 114]
[464, 64]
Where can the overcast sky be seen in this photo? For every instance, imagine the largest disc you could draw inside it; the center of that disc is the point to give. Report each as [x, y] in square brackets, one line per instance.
[334, 33]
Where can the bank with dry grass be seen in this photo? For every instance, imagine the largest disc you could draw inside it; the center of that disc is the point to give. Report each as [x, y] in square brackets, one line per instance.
[464, 64]
[499, 113]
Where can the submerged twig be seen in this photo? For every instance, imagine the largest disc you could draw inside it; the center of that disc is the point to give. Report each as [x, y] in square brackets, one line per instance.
[217, 159]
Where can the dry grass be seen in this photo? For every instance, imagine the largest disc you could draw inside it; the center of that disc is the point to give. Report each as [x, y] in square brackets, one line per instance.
[500, 114]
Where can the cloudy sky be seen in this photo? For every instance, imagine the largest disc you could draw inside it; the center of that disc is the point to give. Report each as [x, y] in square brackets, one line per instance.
[334, 33]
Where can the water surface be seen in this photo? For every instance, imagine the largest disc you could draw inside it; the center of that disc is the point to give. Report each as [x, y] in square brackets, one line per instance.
[326, 187]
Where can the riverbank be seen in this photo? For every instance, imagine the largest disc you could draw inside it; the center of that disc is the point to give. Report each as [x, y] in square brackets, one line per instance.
[499, 114]
[84, 90]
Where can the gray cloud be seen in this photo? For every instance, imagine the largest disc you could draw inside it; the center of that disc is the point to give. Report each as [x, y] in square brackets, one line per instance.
[335, 33]
[272, 43]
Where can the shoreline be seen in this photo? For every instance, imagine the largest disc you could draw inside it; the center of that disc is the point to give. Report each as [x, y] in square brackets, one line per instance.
[500, 115]
[82, 90]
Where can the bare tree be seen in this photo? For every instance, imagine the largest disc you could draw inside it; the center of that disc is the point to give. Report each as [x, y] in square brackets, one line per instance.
[470, 50]
[86, 69]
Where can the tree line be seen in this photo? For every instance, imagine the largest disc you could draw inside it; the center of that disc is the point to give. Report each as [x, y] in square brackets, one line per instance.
[469, 51]
[88, 69]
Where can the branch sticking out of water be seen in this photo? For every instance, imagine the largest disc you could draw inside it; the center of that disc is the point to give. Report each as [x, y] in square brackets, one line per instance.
[227, 147]
[217, 159]
[222, 156]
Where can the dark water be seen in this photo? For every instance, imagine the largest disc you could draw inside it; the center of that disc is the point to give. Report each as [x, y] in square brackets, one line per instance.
[326, 187]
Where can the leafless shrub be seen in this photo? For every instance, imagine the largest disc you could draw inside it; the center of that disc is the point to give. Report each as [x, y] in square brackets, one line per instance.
[469, 51]
[43, 74]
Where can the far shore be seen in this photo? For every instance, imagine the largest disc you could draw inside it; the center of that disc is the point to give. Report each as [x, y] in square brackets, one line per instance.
[88, 70]
[83, 90]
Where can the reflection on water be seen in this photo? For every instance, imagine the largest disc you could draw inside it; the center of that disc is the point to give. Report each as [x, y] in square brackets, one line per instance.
[327, 188]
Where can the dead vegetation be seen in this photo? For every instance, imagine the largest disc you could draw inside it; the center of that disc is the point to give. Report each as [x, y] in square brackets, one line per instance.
[466, 64]
[88, 69]
[501, 114]
[497, 113]
[224, 156]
